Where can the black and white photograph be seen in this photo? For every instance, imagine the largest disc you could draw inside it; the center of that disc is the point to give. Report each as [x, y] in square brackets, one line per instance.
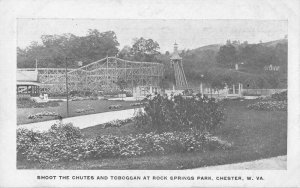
[151, 94]
[128, 93]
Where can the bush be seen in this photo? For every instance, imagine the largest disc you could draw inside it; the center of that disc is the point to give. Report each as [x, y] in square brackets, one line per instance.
[42, 114]
[112, 107]
[128, 93]
[280, 96]
[23, 97]
[66, 143]
[116, 123]
[163, 114]
[25, 103]
[269, 105]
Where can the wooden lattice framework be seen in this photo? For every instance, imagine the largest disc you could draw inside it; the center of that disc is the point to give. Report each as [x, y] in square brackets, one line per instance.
[101, 76]
[176, 62]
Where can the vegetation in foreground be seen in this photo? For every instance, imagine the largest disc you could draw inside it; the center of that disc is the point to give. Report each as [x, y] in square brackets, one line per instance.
[76, 108]
[253, 134]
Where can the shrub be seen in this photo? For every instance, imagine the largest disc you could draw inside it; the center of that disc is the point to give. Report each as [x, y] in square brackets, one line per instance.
[128, 93]
[280, 96]
[163, 114]
[269, 105]
[24, 103]
[23, 97]
[116, 123]
[115, 106]
[42, 114]
[66, 143]
[137, 104]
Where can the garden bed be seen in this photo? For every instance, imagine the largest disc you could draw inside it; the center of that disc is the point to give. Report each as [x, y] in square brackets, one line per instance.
[254, 135]
[31, 104]
[76, 108]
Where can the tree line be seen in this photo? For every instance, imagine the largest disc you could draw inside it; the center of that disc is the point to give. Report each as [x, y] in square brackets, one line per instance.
[95, 45]
[213, 64]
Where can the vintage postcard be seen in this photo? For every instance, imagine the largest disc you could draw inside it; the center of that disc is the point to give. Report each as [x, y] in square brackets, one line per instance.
[152, 101]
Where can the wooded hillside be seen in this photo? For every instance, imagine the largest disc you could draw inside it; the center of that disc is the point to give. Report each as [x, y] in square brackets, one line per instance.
[213, 64]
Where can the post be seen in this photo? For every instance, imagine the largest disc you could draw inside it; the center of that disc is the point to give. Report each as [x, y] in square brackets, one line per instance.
[241, 89]
[36, 64]
[233, 88]
[67, 89]
[201, 90]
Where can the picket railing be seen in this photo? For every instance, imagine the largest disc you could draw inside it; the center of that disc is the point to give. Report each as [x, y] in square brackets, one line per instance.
[263, 92]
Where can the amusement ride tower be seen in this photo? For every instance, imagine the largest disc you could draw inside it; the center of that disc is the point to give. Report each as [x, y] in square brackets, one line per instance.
[176, 62]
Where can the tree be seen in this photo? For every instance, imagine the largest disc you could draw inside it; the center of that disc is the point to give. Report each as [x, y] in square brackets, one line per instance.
[54, 49]
[125, 53]
[227, 55]
[144, 49]
[122, 85]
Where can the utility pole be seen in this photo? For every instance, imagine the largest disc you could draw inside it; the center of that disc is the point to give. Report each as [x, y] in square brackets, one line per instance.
[36, 61]
[67, 89]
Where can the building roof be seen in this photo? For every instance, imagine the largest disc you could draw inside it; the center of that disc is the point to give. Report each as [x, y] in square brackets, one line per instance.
[27, 76]
[175, 55]
[28, 83]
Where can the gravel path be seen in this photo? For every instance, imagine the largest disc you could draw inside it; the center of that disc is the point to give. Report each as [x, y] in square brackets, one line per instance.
[274, 163]
[83, 121]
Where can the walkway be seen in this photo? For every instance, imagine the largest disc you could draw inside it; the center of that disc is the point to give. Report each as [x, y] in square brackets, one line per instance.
[274, 163]
[83, 121]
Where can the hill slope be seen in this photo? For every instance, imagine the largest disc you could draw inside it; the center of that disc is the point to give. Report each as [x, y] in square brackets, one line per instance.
[203, 61]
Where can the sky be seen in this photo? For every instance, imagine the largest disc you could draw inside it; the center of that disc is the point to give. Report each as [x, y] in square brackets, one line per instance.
[189, 34]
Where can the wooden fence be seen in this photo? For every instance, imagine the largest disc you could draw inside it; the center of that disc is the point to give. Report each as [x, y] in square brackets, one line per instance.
[263, 92]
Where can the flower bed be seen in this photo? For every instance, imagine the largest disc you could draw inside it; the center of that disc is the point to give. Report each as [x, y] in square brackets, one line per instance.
[137, 104]
[66, 143]
[42, 114]
[89, 109]
[118, 106]
[31, 104]
[77, 98]
[116, 123]
[280, 96]
[269, 105]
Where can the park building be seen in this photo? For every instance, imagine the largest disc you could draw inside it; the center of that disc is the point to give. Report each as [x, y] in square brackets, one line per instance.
[27, 82]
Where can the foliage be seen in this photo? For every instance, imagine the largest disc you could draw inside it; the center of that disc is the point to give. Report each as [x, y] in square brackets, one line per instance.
[23, 97]
[269, 105]
[88, 109]
[138, 104]
[116, 123]
[54, 49]
[28, 103]
[163, 114]
[66, 143]
[42, 114]
[227, 55]
[77, 98]
[144, 49]
[118, 106]
[282, 96]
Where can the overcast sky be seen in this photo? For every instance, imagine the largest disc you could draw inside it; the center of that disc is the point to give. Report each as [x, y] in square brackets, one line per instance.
[189, 34]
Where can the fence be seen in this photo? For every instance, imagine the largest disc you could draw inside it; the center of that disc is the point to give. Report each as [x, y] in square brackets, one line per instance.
[260, 92]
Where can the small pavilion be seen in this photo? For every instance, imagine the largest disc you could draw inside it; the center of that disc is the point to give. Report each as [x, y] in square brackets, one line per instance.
[27, 82]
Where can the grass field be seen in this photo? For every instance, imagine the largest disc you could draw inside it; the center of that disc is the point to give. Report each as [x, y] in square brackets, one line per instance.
[254, 134]
[98, 105]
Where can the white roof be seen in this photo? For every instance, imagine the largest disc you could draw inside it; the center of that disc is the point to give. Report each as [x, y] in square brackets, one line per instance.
[27, 83]
[27, 76]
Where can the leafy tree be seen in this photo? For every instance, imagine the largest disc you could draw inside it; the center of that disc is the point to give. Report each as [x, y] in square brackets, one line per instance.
[54, 49]
[122, 85]
[227, 55]
[145, 49]
[125, 53]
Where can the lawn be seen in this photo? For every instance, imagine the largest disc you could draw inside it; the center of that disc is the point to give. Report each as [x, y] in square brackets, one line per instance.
[98, 105]
[254, 134]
